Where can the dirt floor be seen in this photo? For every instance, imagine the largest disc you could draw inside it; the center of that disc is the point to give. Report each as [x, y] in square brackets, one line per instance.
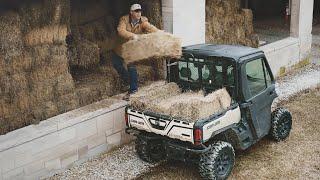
[271, 30]
[297, 157]
[277, 28]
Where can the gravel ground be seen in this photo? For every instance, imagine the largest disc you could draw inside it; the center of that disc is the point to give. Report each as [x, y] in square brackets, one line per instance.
[297, 81]
[122, 163]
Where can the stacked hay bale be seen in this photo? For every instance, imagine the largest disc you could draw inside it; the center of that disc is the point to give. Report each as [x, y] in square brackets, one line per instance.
[152, 9]
[227, 23]
[93, 87]
[35, 79]
[46, 25]
[93, 32]
[92, 37]
[15, 65]
[164, 98]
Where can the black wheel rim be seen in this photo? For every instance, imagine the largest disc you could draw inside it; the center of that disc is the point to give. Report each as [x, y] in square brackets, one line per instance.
[224, 163]
[156, 150]
[284, 126]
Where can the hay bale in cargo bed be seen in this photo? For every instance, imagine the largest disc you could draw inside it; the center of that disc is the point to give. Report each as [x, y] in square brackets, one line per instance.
[192, 106]
[166, 98]
[153, 45]
[153, 93]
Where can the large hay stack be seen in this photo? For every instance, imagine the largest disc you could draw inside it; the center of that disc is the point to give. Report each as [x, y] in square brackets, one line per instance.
[35, 79]
[167, 98]
[15, 65]
[45, 26]
[227, 23]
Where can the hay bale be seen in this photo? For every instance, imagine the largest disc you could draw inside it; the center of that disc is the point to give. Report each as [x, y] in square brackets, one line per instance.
[21, 63]
[224, 98]
[6, 109]
[153, 45]
[42, 91]
[87, 95]
[145, 73]
[22, 101]
[153, 93]
[10, 35]
[3, 68]
[12, 85]
[87, 54]
[67, 102]
[49, 55]
[91, 87]
[153, 10]
[64, 85]
[190, 106]
[227, 23]
[47, 73]
[54, 34]
[38, 14]
[45, 110]
[167, 99]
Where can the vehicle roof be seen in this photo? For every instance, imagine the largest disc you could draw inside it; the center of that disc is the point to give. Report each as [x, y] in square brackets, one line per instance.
[230, 51]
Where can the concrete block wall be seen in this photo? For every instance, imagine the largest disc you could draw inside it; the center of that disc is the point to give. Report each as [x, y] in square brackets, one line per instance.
[55, 144]
[282, 54]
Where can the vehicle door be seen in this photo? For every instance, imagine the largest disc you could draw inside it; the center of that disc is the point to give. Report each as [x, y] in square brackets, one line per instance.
[258, 92]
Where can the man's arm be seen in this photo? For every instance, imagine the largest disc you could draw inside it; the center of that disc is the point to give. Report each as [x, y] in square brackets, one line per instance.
[148, 27]
[122, 31]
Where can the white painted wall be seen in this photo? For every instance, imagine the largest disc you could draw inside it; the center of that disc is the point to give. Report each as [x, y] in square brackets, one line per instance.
[301, 25]
[185, 19]
[283, 53]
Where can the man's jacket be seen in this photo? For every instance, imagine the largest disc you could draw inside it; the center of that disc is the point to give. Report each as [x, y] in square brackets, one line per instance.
[126, 30]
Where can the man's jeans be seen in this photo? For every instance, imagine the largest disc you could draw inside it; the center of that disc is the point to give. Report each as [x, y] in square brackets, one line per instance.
[128, 76]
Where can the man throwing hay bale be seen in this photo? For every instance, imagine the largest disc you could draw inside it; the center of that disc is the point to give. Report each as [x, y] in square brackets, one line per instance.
[128, 28]
[140, 40]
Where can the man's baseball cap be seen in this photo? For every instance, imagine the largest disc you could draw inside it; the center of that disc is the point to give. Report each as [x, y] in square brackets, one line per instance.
[135, 7]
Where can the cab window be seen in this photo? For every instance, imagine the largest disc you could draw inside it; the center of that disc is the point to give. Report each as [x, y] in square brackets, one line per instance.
[256, 78]
[189, 71]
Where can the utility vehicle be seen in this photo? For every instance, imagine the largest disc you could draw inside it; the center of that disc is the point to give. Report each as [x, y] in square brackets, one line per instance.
[211, 142]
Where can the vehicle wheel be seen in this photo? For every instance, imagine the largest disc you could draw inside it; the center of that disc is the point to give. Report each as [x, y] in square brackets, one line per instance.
[149, 151]
[281, 124]
[218, 162]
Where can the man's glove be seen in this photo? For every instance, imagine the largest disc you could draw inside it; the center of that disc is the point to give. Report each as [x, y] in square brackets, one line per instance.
[135, 37]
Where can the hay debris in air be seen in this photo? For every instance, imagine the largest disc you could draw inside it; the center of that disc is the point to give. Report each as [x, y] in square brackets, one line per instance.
[167, 98]
[153, 45]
